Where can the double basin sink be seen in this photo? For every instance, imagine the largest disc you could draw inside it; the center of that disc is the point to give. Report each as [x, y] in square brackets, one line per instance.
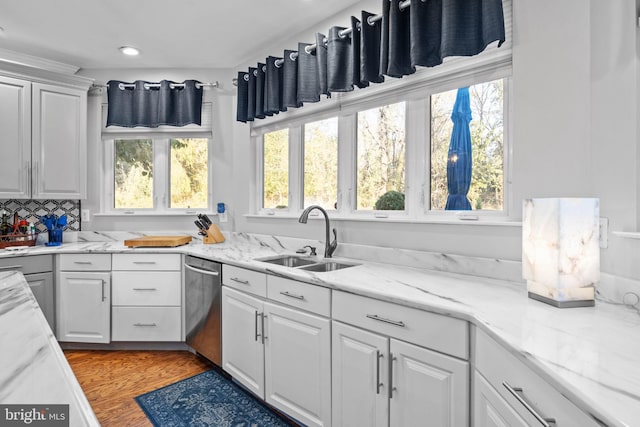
[304, 263]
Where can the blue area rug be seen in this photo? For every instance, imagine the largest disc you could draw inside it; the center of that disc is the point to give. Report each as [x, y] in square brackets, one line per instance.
[206, 399]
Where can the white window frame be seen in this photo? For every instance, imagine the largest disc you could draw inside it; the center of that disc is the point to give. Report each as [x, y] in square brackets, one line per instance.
[161, 176]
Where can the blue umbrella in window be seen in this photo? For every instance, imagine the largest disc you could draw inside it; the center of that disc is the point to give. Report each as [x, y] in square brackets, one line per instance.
[459, 160]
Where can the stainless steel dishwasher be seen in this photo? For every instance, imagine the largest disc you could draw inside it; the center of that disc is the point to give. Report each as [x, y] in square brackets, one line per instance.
[203, 288]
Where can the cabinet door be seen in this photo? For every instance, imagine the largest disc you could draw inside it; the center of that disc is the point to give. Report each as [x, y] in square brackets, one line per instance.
[360, 393]
[59, 142]
[84, 307]
[490, 409]
[41, 285]
[429, 388]
[298, 364]
[242, 343]
[15, 138]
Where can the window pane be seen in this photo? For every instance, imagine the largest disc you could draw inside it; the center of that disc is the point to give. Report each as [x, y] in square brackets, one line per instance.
[321, 163]
[133, 174]
[276, 169]
[486, 190]
[189, 173]
[381, 157]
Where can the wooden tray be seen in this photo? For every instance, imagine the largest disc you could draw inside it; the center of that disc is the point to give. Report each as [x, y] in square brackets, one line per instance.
[157, 241]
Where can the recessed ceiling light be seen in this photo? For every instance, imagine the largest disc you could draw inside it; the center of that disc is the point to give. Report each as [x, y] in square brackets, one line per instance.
[129, 50]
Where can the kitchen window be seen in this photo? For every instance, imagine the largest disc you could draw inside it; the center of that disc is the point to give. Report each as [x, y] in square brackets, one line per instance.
[157, 175]
[387, 157]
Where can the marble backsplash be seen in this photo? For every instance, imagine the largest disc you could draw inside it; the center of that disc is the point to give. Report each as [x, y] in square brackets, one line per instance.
[32, 210]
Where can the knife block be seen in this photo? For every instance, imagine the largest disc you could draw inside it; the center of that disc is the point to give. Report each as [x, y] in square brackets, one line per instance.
[214, 235]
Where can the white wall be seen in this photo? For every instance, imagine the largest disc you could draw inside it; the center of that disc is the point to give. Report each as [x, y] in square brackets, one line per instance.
[575, 109]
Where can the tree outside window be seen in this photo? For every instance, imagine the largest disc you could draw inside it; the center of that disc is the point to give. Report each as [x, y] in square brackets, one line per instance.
[321, 163]
[276, 169]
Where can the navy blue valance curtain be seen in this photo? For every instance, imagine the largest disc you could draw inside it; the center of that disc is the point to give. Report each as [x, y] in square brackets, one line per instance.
[391, 44]
[149, 104]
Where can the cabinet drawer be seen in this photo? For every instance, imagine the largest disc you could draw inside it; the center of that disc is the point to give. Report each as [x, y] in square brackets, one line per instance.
[501, 368]
[28, 264]
[145, 324]
[315, 299]
[245, 280]
[146, 288]
[434, 331]
[146, 262]
[85, 262]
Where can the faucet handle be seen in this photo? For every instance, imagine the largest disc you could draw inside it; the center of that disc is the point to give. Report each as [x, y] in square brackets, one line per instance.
[304, 251]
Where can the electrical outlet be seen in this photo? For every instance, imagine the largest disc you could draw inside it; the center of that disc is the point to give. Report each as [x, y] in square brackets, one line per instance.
[604, 233]
[85, 215]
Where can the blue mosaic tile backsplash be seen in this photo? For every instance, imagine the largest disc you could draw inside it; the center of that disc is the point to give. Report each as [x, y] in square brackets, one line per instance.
[32, 210]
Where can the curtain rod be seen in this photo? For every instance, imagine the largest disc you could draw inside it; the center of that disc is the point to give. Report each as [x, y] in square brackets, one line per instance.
[343, 33]
[123, 86]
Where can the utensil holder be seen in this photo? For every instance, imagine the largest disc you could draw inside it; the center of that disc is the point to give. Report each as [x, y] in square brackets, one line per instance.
[55, 237]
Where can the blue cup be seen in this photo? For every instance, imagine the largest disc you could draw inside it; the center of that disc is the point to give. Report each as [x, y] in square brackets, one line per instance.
[55, 235]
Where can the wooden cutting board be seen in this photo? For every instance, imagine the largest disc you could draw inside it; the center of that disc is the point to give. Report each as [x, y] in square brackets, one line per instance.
[157, 241]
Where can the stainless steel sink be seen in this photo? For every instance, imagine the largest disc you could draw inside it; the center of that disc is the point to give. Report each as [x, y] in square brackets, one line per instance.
[327, 266]
[288, 260]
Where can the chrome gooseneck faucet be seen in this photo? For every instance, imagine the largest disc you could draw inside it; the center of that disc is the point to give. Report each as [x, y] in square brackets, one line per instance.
[329, 248]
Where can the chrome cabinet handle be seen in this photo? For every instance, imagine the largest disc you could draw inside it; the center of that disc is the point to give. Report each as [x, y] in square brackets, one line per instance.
[207, 272]
[145, 324]
[256, 325]
[287, 294]
[244, 282]
[264, 335]
[83, 262]
[103, 297]
[382, 319]
[391, 387]
[11, 267]
[144, 262]
[145, 289]
[378, 383]
[518, 393]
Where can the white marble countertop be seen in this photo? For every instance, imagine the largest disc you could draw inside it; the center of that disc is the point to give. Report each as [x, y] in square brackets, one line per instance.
[591, 355]
[33, 369]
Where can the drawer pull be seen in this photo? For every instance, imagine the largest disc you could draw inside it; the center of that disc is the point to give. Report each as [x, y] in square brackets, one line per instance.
[83, 262]
[382, 319]
[144, 262]
[11, 267]
[145, 289]
[517, 392]
[145, 324]
[244, 282]
[287, 294]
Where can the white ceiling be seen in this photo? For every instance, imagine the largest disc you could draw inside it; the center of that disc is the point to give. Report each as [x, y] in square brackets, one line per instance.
[170, 34]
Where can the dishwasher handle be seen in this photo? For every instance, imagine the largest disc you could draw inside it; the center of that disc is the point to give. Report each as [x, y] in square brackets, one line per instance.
[198, 270]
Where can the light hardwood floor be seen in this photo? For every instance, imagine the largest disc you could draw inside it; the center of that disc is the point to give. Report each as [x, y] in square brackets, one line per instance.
[111, 379]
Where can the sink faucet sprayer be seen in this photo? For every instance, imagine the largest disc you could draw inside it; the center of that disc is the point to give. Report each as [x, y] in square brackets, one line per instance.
[329, 248]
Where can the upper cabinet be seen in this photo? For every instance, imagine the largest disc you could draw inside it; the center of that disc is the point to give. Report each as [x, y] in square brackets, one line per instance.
[43, 135]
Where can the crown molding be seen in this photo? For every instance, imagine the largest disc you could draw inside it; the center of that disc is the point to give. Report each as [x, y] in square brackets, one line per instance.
[26, 60]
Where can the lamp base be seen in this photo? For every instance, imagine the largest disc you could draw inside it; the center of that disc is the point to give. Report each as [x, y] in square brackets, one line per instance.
[562, 304]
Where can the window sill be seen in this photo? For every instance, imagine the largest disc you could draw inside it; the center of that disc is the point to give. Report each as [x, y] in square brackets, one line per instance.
[400, 220]
[627, 234]
[153, 214]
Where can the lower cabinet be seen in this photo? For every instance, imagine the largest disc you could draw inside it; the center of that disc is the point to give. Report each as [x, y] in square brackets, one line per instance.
[381, 381]
[279, 353]
[490, 409]
[397, 366]
[83, 295]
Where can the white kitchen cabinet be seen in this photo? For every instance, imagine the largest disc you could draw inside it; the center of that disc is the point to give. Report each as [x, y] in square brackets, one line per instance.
[83, 298]
[44, 128]
[146, 297]
[59, 142]
[379, 379]
[38, 271]
[15, 138]
[507, 392]
[280, 353]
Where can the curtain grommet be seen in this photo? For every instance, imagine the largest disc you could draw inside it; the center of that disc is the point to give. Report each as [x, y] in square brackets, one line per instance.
[246, 77]
[293, 56]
